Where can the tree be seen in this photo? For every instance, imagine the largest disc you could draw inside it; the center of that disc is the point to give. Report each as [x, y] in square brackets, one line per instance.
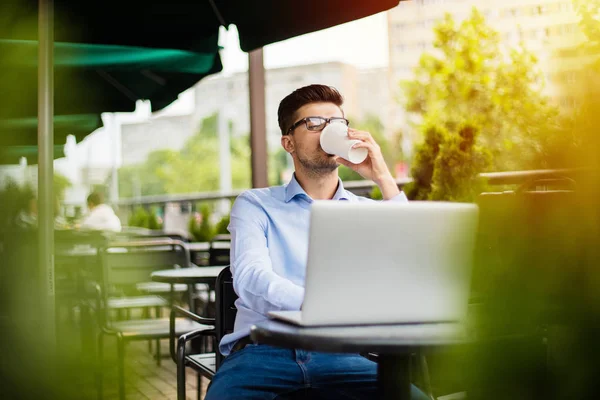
[579, 145]
[470, 79]
[589, 14]
[193, 169]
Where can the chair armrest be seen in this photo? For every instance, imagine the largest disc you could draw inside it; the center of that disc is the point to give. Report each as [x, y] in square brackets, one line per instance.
[193, 316]
[190, 335]
[183, 339]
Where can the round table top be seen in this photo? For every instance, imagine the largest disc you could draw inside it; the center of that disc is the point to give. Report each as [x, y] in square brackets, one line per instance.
[189, 275]
[385, 338]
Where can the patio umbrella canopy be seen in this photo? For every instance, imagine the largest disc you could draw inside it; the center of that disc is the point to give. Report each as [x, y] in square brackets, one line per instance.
[23, 131]
[184, 24]
[92, 78]
[12, 155]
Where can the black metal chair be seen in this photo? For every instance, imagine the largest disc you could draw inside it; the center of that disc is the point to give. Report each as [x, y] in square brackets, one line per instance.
[219, 253]
[206, 364]
[127, 268]
[122, 270]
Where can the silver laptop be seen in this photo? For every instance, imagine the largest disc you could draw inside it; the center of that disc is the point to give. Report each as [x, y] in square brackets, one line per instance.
[385, 262]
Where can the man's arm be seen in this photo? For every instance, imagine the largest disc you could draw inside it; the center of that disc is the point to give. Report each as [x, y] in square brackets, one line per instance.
[254, 280]
[374, 166]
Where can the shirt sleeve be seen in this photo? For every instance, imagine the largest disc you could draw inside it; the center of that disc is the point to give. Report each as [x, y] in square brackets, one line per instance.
[399, 198]
[91, 221]
[101, 219]
[254, 280]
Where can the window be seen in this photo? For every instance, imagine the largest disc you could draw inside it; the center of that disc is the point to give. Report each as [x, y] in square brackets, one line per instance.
[566, 29]
[540, 10]
[566, 6]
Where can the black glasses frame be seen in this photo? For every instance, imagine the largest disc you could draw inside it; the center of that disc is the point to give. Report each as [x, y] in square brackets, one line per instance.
[305, 121]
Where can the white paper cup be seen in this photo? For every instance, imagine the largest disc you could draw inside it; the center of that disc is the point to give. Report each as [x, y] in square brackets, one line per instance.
[335, 140]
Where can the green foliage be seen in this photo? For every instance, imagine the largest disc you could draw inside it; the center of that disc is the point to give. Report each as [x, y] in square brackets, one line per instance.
[193, 169]
[153, 222]
[447, 164]
[201, 231]
[277, 164]
[13, 200]
[140, 218]
[457, 165]
[471, 79]
[61, 183]
[221, 227]
[143, 218]
[589, 14]
[376, 193]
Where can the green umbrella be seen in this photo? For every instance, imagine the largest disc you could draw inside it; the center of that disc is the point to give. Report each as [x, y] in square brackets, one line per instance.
[93, 78]
[23, 131]
[13, 154]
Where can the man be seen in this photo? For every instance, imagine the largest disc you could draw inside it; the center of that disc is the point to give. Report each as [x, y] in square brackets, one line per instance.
[269, 243]
[101, 216]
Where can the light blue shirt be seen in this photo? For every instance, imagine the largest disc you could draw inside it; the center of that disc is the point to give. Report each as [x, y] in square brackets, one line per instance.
[269, 247]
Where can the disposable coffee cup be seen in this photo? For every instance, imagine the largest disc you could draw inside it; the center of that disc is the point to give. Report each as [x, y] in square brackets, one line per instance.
[335, 140]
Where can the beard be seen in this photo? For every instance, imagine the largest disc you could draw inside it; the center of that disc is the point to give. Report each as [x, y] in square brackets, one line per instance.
[318, 165]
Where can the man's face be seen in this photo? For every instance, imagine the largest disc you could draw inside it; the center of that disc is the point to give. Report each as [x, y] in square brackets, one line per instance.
[304, 145]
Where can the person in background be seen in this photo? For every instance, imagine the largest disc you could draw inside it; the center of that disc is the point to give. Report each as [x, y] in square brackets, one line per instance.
[101, 216]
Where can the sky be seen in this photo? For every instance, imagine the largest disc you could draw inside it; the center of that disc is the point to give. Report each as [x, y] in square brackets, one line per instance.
[362, 43]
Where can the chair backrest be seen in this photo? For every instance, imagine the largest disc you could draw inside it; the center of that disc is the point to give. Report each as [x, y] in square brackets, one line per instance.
[219, 253]
[127, 263]
[226, 311]
[526, 236]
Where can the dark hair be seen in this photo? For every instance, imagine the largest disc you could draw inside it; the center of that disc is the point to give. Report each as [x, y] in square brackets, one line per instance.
[95, 198]
[288, 107]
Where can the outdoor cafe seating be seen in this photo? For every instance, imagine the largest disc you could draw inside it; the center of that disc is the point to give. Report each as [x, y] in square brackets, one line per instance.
[125, 266]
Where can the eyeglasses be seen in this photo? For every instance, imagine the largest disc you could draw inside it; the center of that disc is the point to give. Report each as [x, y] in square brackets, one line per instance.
[316, 124]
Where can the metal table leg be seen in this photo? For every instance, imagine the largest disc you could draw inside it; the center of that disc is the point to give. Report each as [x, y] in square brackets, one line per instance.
[393, 374]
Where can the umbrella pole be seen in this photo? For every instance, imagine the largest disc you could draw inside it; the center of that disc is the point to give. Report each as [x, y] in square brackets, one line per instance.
[46, 171]
[258, 126]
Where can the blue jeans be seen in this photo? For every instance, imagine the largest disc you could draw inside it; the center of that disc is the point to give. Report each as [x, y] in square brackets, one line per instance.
[267, 372]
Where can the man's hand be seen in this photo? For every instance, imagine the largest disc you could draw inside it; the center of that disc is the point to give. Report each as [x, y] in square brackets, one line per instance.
[374, 166]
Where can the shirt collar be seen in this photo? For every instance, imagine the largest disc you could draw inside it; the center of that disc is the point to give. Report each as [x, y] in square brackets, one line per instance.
[294, 189]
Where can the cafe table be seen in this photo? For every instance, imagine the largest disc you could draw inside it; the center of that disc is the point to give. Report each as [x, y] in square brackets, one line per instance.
[190, 276]
[394, 344]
